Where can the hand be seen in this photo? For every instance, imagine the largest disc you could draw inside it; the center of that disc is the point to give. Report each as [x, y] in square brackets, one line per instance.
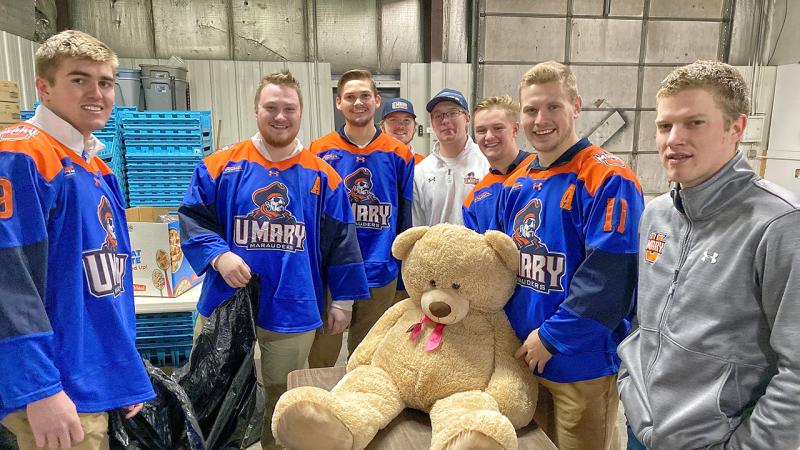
[534, 352]
[233, 269]
[133, 410]
[55, 422]
[338, 320]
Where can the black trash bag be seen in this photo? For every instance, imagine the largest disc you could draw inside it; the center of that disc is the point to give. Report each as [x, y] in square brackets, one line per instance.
[216, 392]
[7, 439]
[166, 423]
[220, 376]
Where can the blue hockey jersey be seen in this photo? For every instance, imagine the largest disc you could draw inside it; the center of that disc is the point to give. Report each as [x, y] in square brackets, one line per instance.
[67, 318]
[480, 206]
[380, 182]
[290, 221]
[575, 224]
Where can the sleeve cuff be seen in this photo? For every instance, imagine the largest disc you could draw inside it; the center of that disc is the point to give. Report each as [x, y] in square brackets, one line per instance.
[550, 348]
[344, 305]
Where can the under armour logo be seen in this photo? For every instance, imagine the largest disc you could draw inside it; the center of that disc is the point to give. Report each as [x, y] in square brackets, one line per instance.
[537, 186]
[273, 173]
[360, 159]
[712, 257]
[431, 179]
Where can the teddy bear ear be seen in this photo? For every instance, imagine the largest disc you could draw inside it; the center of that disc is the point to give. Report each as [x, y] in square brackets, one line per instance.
[505, 248]
[405, 241]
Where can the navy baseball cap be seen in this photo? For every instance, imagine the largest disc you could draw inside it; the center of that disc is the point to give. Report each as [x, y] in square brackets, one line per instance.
[398, 105]
[448, 95]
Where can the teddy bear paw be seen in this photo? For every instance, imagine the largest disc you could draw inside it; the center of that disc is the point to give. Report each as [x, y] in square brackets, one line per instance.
[473, 440]
[307, 425]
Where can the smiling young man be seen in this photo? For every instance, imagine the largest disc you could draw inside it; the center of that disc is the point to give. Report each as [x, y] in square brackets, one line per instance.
[67, 322]
[400, 122]
[444, 178]
[715, 362]
[496, 122]
[268, 207]
[378, 172]
[573, 212]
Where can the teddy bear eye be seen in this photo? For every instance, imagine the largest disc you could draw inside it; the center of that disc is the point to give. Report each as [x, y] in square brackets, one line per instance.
[433, 283]
[456, 286]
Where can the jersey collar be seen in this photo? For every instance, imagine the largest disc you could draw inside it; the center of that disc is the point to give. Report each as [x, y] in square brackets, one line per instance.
[258, 143]
[564, 158]
[46, 120]
[521, 155]
[347, 139]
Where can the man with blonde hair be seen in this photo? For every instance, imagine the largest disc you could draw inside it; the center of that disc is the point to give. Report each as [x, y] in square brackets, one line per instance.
[378, 171]
[267, 206]
[496, 122]
[67, 322]
[573, 212]
[715, 362]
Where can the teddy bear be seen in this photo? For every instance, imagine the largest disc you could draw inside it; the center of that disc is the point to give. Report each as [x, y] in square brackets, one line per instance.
[447, 350]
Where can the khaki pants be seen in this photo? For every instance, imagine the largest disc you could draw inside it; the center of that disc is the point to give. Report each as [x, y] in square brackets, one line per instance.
[581, 415]
[281, 353]
[326, 348]
[95, 429]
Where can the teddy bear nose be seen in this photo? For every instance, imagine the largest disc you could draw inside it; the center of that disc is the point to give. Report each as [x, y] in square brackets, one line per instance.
[440, 309]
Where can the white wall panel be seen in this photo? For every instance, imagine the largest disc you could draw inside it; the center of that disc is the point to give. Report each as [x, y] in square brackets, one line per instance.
[17, 64]
[414, 87]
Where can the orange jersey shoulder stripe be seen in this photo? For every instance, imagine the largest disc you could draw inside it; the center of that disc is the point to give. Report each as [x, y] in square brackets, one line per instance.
[418, 158]
[486, 181]
[217, 161]
[384, 143]
[596, 165]
[593, 166]
[314, 162]
[45, 151]
[245, 150]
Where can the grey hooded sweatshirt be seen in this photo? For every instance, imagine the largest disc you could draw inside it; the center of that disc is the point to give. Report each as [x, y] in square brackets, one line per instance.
[715, 362]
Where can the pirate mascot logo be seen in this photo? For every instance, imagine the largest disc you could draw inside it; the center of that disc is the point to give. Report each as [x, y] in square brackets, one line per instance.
[539, 269]
[103, 267]
[271, 226]
[368, 210]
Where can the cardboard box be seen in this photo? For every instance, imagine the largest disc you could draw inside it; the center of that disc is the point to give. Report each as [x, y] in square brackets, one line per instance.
[9, 92]
[9, 112]
[159, 268]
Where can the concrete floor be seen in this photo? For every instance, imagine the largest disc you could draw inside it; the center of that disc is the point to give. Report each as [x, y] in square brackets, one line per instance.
[343, 360]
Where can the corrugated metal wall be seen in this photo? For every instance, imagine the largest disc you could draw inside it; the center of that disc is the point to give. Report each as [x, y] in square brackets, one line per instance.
[619, 50]
[376, 34]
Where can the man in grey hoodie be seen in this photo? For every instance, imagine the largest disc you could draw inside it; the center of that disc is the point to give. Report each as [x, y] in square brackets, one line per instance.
[715, 362]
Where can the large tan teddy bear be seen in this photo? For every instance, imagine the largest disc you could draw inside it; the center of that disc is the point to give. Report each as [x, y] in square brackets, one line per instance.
[448, 350]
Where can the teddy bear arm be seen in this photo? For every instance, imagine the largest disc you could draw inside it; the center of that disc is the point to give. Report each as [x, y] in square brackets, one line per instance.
[366, 349]
[512, 385]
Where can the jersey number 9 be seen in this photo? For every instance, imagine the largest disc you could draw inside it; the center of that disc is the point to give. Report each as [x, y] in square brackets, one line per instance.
[6, 201]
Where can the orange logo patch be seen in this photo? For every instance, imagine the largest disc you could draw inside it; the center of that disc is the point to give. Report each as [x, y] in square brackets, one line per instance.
[655, 246]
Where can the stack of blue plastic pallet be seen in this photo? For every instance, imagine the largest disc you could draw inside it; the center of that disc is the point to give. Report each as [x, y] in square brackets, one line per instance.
[114, 154]
[165, 339]
[162, 149]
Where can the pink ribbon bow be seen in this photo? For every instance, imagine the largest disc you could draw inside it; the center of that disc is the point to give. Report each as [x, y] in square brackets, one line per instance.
[436, 337]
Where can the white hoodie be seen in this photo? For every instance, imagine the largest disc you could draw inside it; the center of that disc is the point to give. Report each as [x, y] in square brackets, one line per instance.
[441, 184]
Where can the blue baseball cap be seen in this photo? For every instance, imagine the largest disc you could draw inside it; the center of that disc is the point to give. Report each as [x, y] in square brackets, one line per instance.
[398, 105]
[448, 95]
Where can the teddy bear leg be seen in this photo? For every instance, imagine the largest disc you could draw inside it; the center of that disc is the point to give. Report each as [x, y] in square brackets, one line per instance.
[347, 418]
[470, 420]
[304, 420]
